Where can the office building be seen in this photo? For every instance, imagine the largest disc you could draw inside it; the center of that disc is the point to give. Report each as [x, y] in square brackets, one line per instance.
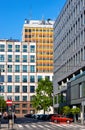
[40, 32]
[24, 63]
[69, 56]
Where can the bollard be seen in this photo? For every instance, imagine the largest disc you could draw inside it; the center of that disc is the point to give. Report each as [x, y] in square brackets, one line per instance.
[10, 125]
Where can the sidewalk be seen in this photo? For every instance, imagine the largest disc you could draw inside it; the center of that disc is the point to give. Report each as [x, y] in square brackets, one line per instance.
[5, 127]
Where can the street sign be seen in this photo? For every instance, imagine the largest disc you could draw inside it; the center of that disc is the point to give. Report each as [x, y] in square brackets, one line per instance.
[9, 102]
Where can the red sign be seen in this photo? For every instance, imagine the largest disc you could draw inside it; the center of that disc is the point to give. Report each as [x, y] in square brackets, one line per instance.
[9, 102]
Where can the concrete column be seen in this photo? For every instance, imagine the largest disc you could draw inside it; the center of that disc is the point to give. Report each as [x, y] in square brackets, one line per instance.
[82, 112]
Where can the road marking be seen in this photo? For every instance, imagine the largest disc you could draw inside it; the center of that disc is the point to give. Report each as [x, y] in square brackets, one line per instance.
[33, 126]
[40, 126]
[47, 125]
[27, 126]
[20, 125]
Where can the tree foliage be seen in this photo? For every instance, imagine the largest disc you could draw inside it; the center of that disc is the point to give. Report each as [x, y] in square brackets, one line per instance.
[75, 110]
[2, 104]
[43, 98]
[66, 110]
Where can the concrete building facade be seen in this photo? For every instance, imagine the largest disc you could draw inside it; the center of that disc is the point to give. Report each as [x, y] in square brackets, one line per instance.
[69, 55]
[24, 63]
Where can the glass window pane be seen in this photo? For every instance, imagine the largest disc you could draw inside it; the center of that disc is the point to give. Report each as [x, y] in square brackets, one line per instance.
[17, 58]
[1, 88]
[32, 89]
[24, 68]
[39, 78]
[9, 58]
[24, 48]
[17, 48]
[32, 48]
[2, 68]
[9, 48]
[17, 68]
[24, 89]
[24, 78]
[17, 78]
[17, 89]
[24, 98]
[2, 48]
[32, 58]
[24, 58]
[17, 98]
[9, 89]
[9, 68]
[32, 68]
[9, 78]
[1, 58]
[2, 78]
[32, 78]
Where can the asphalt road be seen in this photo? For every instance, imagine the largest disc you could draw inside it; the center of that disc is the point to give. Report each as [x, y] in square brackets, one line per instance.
[33, 124]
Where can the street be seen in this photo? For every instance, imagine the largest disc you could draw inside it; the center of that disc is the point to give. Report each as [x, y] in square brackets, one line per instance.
[33, 124]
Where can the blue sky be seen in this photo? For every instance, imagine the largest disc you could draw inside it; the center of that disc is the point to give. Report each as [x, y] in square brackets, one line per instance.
[14, 12]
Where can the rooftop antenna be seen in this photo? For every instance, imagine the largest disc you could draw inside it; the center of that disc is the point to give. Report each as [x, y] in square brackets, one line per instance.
[43, 21]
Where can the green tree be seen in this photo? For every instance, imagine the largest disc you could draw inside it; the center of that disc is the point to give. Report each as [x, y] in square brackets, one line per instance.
[66, 110]
[75, 111]
[43, 98]
[2, 104]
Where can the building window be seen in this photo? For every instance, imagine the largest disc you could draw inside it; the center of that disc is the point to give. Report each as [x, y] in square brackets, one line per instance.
[9, 97]
[17, 78]
[17, 58]
[2, 48]
[17, 98]
[24, 68]
[24, 78]
[9, 68]
[32, 68]
[9, 89]
[32, 89]
[9, 78]
[2, 78]
[39, 78]
[24, 48]
[1, 58]
[9, 48]
[48, 77]
[24, 105]
[32, 78]
[24, 98]
[17, 48]
[9, 58]
[32, 48]
[24, 89]
[17, 105]
[1, 89]
[17, 89]
[2, 68]
[17, 111]
[82, 89]
[31, 98]
[24, 58]
[32, 58]
[24, 111]
[17, 68]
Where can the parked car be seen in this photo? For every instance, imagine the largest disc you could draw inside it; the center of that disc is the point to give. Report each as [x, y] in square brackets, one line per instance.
[28, 115]
[49, 116]
[60, 118]
[43, 117]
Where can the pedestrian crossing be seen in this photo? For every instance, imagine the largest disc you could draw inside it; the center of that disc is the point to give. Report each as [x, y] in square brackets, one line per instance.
[49, 126]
